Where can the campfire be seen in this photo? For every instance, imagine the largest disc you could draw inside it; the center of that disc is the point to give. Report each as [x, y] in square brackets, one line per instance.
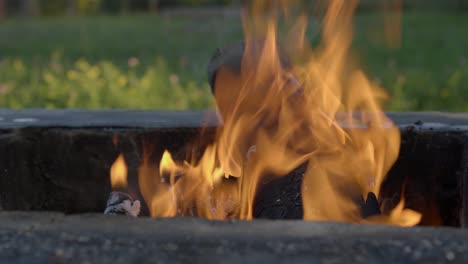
[299, 134]
[283, 104]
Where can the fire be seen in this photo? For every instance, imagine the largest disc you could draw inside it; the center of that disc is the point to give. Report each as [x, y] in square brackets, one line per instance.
[185, 189]
[118, 173]
[287, 104]
[398, 216]
[167, 165]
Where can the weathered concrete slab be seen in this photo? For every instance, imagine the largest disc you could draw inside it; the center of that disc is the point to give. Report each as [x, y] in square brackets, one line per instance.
[54, 238]
[451, 119]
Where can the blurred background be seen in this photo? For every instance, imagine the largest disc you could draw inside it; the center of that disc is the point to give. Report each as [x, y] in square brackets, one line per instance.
[152, 54]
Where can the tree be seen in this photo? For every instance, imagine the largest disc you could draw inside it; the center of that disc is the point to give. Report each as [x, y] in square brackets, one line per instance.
[462, 4]
[30, 7]
[153, 5]
[2, 9]
[71, 7]
[124, 6]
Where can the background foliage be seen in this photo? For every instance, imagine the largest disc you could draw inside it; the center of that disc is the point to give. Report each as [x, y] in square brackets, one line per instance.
[135, 60]
[60, 7]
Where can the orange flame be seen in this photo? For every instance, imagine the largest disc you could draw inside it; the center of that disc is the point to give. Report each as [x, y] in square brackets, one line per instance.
[118, 173]
[184, 189]
[289, 104]
[398, 216]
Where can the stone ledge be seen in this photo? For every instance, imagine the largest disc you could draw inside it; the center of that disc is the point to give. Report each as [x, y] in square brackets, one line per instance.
[116, 118]
[55, 238]
[120, 118]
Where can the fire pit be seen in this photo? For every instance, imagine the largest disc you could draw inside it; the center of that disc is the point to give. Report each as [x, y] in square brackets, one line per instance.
[59, 160]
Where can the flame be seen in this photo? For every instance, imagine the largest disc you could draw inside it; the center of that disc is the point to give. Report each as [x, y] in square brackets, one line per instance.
[118, 173]
[185, 189]
[288, 104]
[398, 216]
[167, 165]
[156, 192]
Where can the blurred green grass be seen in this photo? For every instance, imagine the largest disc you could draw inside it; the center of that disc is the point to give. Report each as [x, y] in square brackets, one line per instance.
[157, 62]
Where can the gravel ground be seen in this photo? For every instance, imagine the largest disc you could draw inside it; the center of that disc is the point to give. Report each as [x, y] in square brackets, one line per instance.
[29, 237]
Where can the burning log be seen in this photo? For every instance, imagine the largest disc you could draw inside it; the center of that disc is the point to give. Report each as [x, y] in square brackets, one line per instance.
[120, 203]
[230, 59]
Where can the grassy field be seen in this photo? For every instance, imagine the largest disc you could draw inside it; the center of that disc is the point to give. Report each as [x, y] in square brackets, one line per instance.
[152, 62]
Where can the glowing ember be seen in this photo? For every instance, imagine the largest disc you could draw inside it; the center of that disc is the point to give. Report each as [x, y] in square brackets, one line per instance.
[118, 173]
[281, 110]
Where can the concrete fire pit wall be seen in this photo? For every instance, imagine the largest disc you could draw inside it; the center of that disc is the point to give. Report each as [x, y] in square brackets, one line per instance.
[59, 160]
[29, 237]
